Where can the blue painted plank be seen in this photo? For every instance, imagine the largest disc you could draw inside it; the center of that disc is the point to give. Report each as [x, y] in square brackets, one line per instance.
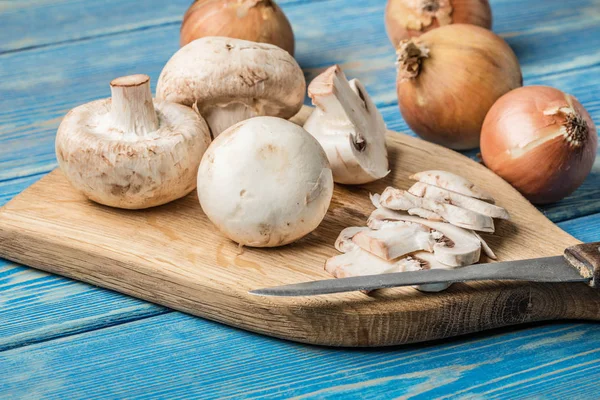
[176, 356]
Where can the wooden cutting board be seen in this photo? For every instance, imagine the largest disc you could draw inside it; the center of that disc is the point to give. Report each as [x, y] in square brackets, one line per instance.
[172, 255]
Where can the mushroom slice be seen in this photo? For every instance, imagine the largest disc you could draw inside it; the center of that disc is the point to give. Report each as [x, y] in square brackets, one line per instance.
[349, 127]
[344, 241]
[423, 213]
[486, 248]
[231, 80]
[442, 195]
[458, 247]
[394, 241]
[455, 183]
[131, 151]
[428, 261]
[359, 263]
[396, 199]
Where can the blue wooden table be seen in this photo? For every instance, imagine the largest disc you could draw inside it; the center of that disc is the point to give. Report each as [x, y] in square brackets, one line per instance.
[64, 339]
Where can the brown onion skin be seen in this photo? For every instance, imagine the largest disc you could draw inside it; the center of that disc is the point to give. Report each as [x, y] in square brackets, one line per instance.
[550, 171]
[468, 69]
[474, 12]
[255, 20]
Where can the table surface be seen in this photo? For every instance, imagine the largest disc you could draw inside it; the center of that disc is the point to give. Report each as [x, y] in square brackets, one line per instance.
[64, 339]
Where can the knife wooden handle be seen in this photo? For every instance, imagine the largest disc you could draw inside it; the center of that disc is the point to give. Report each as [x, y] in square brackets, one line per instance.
[586, 258]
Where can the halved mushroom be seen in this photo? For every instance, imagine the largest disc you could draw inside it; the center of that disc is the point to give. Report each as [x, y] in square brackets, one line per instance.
[442, 195]
[458, 247]
[453, 182]
[130, 151]
[349, 127]
[393, 241]
[231, 80]
[396, 199]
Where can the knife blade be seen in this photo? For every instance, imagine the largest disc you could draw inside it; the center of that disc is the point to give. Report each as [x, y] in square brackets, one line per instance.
[546, 269]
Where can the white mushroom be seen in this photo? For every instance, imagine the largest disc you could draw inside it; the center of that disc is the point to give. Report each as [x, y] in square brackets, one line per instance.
[130, 151]
[231, 80]
[423, 213]
[453, 182]
[428, 261]
[441, 195]
[358, 262]
[344, 242]
[396, 199]
[349, 127]
[265, 182]
[459, 247]
[395, 240]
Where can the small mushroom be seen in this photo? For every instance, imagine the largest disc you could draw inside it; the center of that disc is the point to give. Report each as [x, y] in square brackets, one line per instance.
[265, 182]
[130, 151]
[441, 195]
[395, 240]
[349, 127]
[396, 199]
[455, 183]
[458, 247]
[231, 80]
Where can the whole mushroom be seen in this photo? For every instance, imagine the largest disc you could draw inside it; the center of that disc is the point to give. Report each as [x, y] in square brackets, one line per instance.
[265, 182]
[130, 151]
[231, 80]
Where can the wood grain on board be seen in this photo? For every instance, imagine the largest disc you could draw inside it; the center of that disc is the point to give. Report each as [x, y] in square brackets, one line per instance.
[173, 256]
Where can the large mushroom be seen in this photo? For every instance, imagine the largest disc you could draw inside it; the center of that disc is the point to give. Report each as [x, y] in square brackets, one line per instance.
[231, 80]
[130, 151]
[265, 182]
[349, 127]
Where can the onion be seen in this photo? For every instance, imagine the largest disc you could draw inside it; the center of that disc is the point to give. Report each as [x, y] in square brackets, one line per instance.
[254, 20]
[409, 18]
[449, 78]
[540, 140]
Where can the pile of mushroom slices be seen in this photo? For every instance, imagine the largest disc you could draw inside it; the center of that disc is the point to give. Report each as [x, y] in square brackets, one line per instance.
[432, 225]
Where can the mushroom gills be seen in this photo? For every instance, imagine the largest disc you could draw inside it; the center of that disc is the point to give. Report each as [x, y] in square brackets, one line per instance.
[396, 199]
[349, 127]
[442, 195]
[457, 248]
[394, 241]
[453, 182]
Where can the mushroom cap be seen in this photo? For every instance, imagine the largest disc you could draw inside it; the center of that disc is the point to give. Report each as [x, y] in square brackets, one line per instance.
[265, 182]
[217, 71]
[121, 169]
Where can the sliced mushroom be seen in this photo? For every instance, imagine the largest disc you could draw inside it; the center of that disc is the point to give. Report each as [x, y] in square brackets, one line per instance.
[231, 80]
[359, 263]
[396, 199]
[130, 151]
[459, 247]
[455, 183]
[394, 241]
[344, 241]
[442, 195]
[427, 214]
[428, 261]
[486, 248]
[349, 127]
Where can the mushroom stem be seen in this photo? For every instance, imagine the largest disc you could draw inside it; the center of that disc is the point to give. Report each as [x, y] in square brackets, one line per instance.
[132, 109]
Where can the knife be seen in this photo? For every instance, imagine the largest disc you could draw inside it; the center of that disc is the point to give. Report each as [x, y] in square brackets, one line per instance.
[580, 263]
